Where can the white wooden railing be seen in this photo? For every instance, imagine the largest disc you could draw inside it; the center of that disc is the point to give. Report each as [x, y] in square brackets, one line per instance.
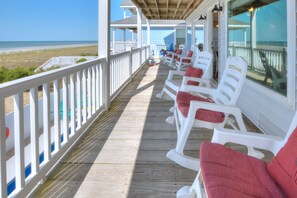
[120, 46]
[155, 49]
[72, 98]
[276, 57]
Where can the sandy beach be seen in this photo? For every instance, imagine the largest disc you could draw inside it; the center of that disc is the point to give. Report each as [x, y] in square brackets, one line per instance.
[36, 57]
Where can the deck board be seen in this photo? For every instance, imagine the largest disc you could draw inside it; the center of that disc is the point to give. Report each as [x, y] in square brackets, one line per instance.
[123, 154]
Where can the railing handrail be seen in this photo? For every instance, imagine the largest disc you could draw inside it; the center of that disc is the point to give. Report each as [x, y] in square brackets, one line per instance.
[19, 85]
[119, 54]
[281, 49]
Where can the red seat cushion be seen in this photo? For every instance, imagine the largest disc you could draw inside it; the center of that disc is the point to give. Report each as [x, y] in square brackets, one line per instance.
[283, 168]
[227, 173]
[193, 72]
[183, 100]
[190, 54]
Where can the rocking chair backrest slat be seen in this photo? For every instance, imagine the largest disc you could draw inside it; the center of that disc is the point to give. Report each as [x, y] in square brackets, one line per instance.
[231, 82]
[203, 61]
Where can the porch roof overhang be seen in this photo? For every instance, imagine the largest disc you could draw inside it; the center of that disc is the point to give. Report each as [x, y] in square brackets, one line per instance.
[131, 23]
[167, 10]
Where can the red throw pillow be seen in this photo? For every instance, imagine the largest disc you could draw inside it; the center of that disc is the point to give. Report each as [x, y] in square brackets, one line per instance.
[193, 72]
[283, 167]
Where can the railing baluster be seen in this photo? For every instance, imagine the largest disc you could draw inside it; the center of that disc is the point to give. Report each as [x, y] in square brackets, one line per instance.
[65, 110]
[89, 93]
[34, 132]
[19, 141]
[93, 89]
[46, 123]
[72, 104]
[3, 188]
[97, 88]
[57, 119]
[84, 95]
[101, 82]
[78, 98]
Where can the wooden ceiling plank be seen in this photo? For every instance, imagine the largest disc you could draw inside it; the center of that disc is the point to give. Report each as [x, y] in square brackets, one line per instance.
[177, 7]
[145, 4]
[157, 6]
[167, 10]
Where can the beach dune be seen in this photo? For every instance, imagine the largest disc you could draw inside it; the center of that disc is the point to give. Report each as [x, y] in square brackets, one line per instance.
[35, 58]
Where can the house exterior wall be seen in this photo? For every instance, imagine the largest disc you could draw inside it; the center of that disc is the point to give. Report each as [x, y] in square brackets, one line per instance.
[269, 111]
[159, 35]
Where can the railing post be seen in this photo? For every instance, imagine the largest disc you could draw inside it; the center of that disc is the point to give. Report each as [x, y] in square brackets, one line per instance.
[140, 57]
[104, 47]
[130, 65]
[3, 182]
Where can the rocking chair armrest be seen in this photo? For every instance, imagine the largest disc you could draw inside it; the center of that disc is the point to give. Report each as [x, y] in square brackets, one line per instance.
[185, 58]
[197, 89]
[200, 80]
[261, 141]
[175, 72]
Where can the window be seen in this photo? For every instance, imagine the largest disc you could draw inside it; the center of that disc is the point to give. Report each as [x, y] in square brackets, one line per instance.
[180, 37]
[199, 35]
[257, 31]
[189, 38]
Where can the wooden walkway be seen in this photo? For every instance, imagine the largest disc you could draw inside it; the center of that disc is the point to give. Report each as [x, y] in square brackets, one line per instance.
[124, 153]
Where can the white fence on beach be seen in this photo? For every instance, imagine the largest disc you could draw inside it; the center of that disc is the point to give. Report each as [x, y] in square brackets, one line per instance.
[62, 61]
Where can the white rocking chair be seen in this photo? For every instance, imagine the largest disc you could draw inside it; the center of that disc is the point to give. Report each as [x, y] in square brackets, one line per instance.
[182, 62]
[217, 179]
[196, 111]
[171, 86]
[171, 56]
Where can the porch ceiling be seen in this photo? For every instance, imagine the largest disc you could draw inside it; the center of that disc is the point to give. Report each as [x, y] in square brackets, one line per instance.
[167, 9]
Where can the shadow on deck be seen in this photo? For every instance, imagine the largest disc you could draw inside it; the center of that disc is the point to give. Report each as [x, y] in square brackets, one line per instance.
[123, 154]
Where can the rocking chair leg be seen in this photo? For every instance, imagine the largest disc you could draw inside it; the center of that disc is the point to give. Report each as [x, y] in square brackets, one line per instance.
[172, 109]
[170, 120]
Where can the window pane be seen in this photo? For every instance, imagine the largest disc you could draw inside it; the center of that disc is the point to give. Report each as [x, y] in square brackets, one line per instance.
[199, 35]
[189, 38]
[257, 31]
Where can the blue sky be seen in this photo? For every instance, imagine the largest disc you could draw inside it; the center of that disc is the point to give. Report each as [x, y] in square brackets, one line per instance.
[52, 20]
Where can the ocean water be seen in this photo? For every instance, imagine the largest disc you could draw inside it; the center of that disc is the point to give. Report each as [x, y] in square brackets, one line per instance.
[27, 45]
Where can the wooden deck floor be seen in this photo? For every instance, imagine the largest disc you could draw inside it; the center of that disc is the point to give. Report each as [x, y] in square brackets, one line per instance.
[124, 152]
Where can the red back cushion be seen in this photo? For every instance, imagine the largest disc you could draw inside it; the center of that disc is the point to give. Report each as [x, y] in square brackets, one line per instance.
[283, 168]
[193, 72]
[179, 51]
[190, 54]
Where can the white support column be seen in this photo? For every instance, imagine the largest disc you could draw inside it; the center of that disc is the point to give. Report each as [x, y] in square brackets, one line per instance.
[186, 40]
[125, 14]
[125, 46]
[148, 32]
[114, 39]
[139, 27]
[193, 39]
[104, 47]
[132, 36]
